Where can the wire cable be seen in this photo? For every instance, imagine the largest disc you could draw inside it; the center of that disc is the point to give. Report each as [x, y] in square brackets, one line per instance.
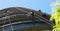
[45, 20]
[11, 25]
[38, 16]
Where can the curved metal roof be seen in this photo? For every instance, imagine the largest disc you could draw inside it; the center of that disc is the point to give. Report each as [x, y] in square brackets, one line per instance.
[22, 16]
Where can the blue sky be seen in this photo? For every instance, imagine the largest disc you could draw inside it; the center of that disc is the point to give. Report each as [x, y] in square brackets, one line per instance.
[44, 5]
